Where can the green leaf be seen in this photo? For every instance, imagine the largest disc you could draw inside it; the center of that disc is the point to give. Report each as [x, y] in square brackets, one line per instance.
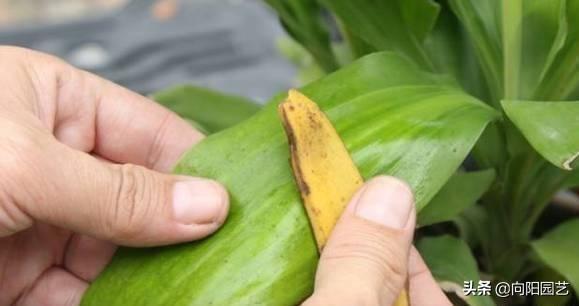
[481, 20]
[491, 148]
[302, 19]
[451, 52]
[211, 110]
[397, 25]
[546, 274]
[550, 127]
[560, 78]
[308, 69]
[543, 35]
[573, 180]
[559, 250]
[393, 118]
[512, 28]
[452, 264]
[472, 225]
[358, 46]
[461, 191]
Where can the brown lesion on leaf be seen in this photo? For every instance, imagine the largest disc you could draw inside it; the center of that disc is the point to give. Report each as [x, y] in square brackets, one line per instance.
[302, 185]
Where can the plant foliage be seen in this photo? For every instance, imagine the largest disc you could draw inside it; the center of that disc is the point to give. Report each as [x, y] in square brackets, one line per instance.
[413, 111]
[520, 57]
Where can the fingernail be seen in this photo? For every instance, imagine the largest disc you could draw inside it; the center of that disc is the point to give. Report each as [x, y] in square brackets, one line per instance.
[386, 201]
[198, 201]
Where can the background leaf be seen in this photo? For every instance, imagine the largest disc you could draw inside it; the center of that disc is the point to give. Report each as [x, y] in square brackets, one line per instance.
[393, 118]
[472, 226]
[211, 110]
[544, 30]
[546, 274]
[512, 29]
[561, 77]
[481, 20]
[462, 190]
[550, 127]
[451, 52]
[302, 19]
[451, 264]
[397, 25]
[559, 250]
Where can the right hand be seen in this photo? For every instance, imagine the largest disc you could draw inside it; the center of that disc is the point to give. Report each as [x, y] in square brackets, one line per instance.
[369, 254]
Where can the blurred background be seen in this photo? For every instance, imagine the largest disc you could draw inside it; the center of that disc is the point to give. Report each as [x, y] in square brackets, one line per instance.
[148, 45]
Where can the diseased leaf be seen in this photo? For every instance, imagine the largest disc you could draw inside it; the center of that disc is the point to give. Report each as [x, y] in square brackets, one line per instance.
[461, 191]
[325, 174]
[559, 250]
[211, 110]
[393, 119]
[397, 25]
[550, 127]
[452, 264]
[324, 171]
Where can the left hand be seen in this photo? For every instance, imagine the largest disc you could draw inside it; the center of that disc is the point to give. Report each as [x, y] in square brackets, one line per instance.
[81, 171]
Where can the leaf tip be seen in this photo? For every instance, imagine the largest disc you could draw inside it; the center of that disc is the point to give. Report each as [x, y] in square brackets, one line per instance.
[570, 163]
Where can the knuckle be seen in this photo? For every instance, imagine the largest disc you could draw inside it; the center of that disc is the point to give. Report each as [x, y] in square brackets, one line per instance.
[131, 201]
[12, 218]
[21, 155]
[20, 151]
[370, 249]
[156, 151]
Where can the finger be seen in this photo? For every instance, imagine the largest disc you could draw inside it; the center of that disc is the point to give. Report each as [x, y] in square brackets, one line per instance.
[125, 204]
[94, 115]
[423, 288]
[55, 287]
[86, 257]
[365, 260]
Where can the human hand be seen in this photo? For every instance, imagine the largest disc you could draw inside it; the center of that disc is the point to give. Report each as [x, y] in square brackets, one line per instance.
[369, 254]
[75, 154]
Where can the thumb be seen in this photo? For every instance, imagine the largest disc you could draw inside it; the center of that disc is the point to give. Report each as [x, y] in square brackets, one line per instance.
[365, 260]
[125, 204]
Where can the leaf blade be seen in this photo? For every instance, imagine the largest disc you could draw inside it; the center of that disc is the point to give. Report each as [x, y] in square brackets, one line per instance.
[481, 21]
[212, 110]
[302, 19]
[399, 25]
[266, 246]
[461, 191]
[550, 127]
[451, 262]
[558, 249]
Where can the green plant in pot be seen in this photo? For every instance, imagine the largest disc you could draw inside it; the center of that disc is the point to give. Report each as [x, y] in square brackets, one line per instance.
[413, 87]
